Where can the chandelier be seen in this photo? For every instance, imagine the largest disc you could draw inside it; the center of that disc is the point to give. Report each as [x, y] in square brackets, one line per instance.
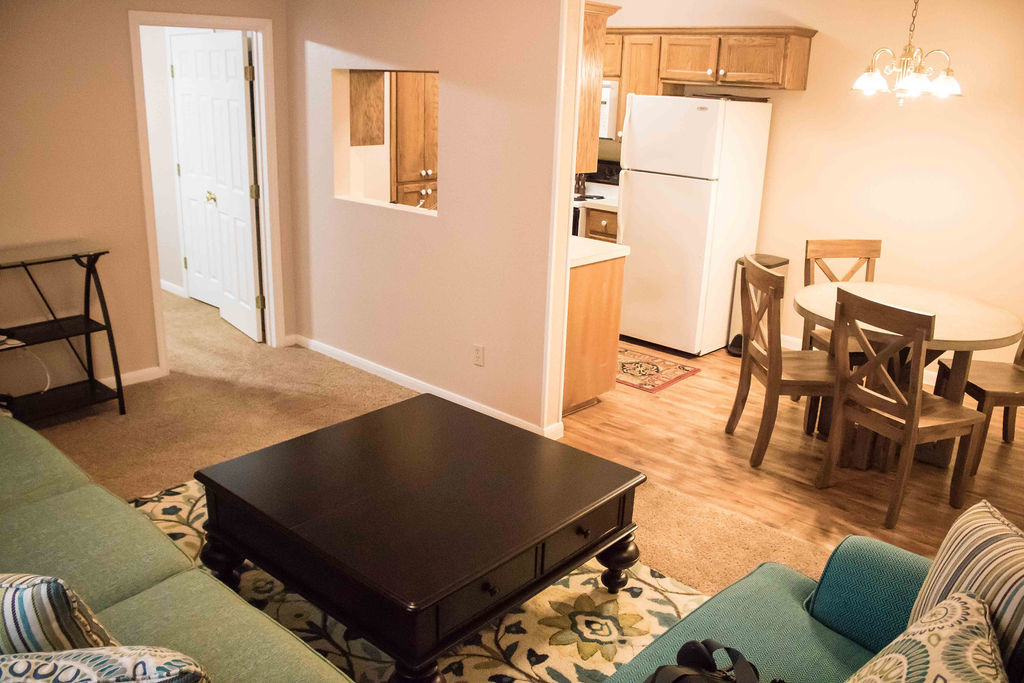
[912, 74]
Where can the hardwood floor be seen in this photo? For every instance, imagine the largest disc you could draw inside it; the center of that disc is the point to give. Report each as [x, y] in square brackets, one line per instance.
[677, 437]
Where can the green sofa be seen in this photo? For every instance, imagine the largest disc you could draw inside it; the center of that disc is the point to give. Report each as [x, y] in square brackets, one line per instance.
[55, 522]
[799, 630]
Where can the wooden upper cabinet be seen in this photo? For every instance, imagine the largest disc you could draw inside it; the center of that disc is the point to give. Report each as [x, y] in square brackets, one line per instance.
[693, 59]
[595, 20]
[415, 126]
[612, 56]
[757, 60]
[641, 55]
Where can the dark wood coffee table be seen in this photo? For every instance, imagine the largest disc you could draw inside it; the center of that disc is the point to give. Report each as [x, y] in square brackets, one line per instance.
[416, 524]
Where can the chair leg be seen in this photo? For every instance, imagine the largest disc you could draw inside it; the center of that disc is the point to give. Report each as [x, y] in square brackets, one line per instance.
[811, 415]
[902, 476]
[986, 410]
[1009, 423]
[967, 458]
[764, 432]
[890, 456]
[835, 446]
[742, 390]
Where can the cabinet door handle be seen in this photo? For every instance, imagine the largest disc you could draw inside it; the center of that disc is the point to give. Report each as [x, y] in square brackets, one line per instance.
[620, 133]
[430, 171]
[431, 191]
[489, 588]
[721, 72]
[710, 71]
[423, 192]
[423, 173]
[583, 531]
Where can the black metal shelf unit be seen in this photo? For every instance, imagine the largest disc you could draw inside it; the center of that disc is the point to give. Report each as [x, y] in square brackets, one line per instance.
[68, 397]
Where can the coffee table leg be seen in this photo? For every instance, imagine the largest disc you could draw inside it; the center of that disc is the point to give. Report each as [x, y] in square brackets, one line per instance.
[221, 560]
[617, 559]
[428, 673]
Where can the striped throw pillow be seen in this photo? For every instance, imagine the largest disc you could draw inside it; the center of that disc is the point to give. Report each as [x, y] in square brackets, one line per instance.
[41, 614]
[983, 554]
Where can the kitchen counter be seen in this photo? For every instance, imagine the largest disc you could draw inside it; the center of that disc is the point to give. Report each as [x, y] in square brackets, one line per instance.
[583, 251]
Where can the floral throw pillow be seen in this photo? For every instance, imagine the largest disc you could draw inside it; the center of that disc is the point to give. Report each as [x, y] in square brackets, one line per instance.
[953, 643]
[122, 664]
[41, 614]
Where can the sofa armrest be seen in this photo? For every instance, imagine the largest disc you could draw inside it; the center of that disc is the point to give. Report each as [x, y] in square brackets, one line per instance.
[867, 590]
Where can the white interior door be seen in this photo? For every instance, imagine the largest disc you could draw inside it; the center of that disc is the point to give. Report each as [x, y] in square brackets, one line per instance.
[213, 122]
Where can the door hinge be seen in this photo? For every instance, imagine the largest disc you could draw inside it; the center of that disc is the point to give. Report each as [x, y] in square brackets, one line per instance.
[261, 303]
[172, 71]
[250, 72]
[186, 262]
[178, 166]
[254, 191]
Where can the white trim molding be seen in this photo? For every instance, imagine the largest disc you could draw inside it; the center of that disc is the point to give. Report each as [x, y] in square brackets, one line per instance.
[174, 289]
[554, 431]
[137, 376]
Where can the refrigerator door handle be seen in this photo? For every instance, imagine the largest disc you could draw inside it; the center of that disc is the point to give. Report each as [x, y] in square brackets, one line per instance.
[621, 219]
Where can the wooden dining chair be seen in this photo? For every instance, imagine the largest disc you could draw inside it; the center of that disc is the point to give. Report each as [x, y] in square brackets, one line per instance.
[992, 385]
[793, 373]
[815, 254]
[869, 396]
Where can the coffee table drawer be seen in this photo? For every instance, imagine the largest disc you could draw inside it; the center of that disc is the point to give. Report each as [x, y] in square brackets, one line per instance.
[484, 592]
[580, 534]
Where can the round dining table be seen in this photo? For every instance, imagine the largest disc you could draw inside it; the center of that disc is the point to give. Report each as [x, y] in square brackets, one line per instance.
[962, 325]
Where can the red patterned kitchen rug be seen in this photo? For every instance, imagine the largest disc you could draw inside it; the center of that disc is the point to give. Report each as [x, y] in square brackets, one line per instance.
[650, 373]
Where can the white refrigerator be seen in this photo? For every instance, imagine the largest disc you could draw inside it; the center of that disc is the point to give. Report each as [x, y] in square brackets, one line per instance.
[689, 206]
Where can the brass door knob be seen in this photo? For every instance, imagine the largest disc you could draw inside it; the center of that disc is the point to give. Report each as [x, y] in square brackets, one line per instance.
[211, 197]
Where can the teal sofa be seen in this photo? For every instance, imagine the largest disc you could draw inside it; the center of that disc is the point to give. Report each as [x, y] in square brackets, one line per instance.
[55, 522]
[800, 630]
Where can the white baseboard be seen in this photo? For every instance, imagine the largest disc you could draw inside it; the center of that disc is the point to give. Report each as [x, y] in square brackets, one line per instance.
[554, 431]
[137, 376]
[290, 340]
[173, 289]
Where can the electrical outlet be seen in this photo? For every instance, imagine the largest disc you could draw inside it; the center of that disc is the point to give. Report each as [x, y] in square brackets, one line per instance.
[478, 355]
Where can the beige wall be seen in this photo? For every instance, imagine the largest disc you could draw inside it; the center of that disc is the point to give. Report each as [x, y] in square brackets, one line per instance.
[939, 182]
[410, 292]
[70, 161]
[159, 111]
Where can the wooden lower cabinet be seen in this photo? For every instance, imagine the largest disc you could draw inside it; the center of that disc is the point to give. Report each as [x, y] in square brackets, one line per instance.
[602, 225]
[592, 332]
[411, 194]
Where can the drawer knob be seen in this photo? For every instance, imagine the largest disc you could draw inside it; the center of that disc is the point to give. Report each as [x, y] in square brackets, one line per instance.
[583, 531]
[604, 223]
[489, 588]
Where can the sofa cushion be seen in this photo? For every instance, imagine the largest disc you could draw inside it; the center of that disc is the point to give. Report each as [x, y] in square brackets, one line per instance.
[33, 468]
[983, 554]
[121, 664]
[763, 616]
[954, 642]
[195, 614]
[867, 590]
[99, 545]
[41, 614]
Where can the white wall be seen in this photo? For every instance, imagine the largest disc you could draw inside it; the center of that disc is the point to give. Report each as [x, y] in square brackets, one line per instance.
[412, 292]
[159, 112]
[938, 181]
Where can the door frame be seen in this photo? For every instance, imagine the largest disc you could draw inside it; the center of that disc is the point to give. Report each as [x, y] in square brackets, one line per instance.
[269, 202]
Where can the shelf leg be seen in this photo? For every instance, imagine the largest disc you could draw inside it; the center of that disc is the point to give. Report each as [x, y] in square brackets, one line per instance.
[110, 334]
[89, 271]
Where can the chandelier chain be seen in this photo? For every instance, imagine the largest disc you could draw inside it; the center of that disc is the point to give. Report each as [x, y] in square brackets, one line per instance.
[913, 22]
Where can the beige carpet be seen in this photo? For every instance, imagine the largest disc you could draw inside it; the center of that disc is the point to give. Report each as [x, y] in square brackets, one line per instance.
[227, 396]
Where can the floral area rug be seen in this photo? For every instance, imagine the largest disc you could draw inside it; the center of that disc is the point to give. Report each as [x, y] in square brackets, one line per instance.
[572, 631]
[650, 373]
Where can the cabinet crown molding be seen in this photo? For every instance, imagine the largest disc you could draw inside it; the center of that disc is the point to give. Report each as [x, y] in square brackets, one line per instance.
[601, 8]
[715, 30]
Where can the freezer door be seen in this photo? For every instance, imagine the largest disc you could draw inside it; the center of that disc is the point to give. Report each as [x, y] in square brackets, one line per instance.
[675, 135]
[666, 222]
